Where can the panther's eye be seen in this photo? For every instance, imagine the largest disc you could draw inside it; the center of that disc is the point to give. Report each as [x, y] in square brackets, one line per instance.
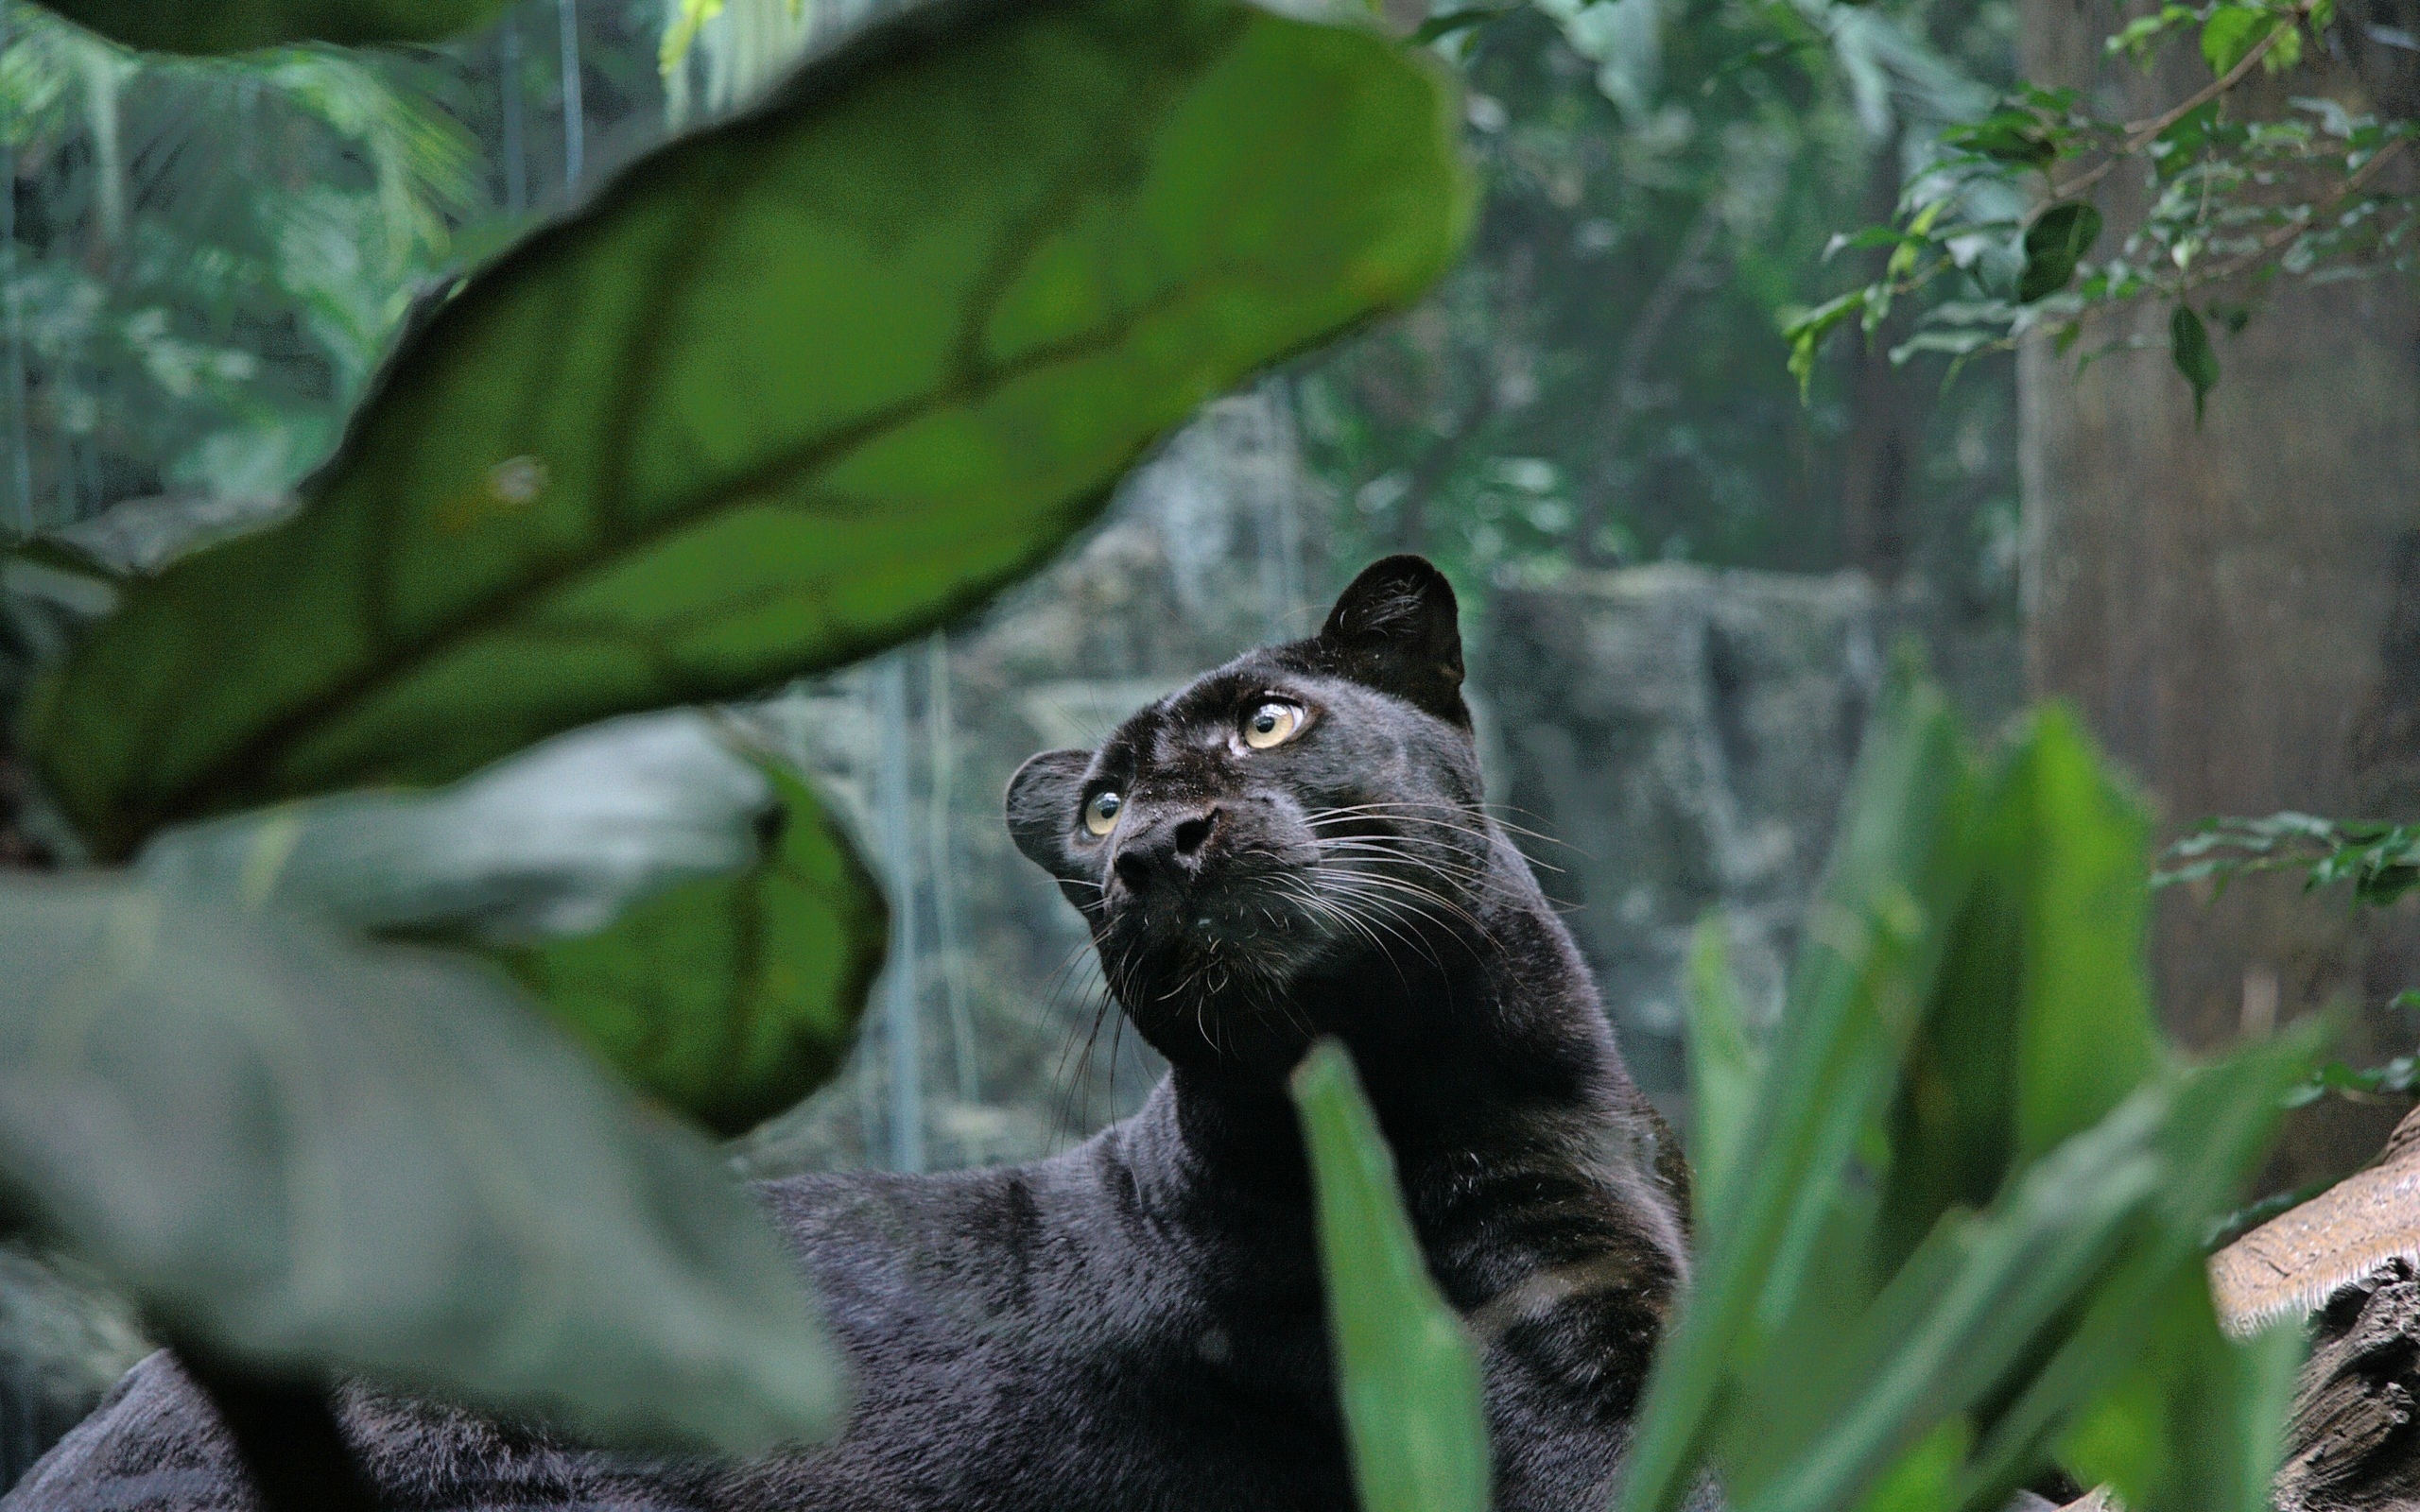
[1100, 815]
[1272, 724]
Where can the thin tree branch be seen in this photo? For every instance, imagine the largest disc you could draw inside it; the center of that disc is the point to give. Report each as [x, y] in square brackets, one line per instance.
[2141, 134]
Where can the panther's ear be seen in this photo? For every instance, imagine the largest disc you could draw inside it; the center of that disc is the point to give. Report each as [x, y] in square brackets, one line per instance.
[1397, 629]
[1041, 807]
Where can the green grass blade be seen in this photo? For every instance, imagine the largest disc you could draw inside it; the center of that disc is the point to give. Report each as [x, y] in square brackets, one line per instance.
[1725, 1065]
[1406, 1370]
[1872, 943]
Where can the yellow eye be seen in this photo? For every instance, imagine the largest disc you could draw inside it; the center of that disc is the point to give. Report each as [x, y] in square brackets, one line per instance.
[1272, 724]
[1100, 815]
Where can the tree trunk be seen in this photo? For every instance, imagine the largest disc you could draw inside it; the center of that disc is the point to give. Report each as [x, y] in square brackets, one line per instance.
[2235, 607]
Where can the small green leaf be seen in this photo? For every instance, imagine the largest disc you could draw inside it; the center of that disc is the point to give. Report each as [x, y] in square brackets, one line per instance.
[238, 25]
[2054, 243]
[1405, 1370]
[731, 997]
[2188, 346]
[1806, 329]
[2005, 136]
[2233, 31]
[316, 1157]
[787, 391]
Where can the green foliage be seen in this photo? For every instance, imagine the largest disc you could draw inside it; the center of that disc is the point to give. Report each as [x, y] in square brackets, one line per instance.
[1970, 1232]
[238, 25]
[1725, 1064]
[1957, 1209]
[313, 1155]
[2188, 347]
[729, 997]
[1662, 176]
[200, 306]
[1405, 1370]
[688, 911]
[2054, 243]
[2381, 862]
[787, 391]
[834, 373]
[2237, 198]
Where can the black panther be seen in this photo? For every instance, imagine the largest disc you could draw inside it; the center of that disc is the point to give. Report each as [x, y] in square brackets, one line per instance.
[1293, 845]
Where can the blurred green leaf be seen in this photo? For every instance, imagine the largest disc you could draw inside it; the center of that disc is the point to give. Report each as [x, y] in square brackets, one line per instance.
[2225, 1117]
[312, 1156]
[2232, 31]
[559, 839]
[2005, 136]
[2196, 1420]
[2188, 346]
[2083, 843]
[688, 911]
[1979, 1225]
[729, 997]
[2055, 241]
[1967, 1309]
[1724, 1066]
[2040, 1022]
[1870, 945]
[788, 390]
[238, 25]
[1406, 1370]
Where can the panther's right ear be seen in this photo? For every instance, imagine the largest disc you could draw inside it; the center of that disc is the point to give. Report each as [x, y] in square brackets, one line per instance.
[1041, 807]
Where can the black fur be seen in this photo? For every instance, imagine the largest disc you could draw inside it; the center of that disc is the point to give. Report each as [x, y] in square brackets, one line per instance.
[1138, 1324]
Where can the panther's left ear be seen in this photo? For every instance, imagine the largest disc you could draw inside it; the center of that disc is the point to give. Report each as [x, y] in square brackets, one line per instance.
[1397, 629]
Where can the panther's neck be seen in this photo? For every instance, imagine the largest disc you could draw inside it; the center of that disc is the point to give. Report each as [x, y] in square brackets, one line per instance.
[1460, 1051]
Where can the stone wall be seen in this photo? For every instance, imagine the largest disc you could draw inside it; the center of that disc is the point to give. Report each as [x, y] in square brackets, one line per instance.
[1685, 736]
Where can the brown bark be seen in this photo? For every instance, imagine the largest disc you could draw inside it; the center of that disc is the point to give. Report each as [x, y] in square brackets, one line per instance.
[2233, 605]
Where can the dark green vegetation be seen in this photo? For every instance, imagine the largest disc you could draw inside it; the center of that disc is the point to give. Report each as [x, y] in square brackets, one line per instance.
[788, 388]
[2276, 165]
[1951, 1218]
[814, 379]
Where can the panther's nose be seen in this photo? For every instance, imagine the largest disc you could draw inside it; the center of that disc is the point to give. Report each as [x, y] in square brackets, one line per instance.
[1168, 852]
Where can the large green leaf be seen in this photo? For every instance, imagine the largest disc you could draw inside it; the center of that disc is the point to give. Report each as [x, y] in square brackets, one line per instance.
[729, 997]
[309, 1156]
[785, 392]
[559, 839]
[235, 26]
[687, 910]
[2041, 1019]
[1405, 1368]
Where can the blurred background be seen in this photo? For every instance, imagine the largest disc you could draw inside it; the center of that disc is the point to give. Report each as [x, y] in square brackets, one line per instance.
[1681, 574]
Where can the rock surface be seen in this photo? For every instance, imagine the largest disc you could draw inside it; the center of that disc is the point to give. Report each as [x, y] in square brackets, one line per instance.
[1685, 735]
